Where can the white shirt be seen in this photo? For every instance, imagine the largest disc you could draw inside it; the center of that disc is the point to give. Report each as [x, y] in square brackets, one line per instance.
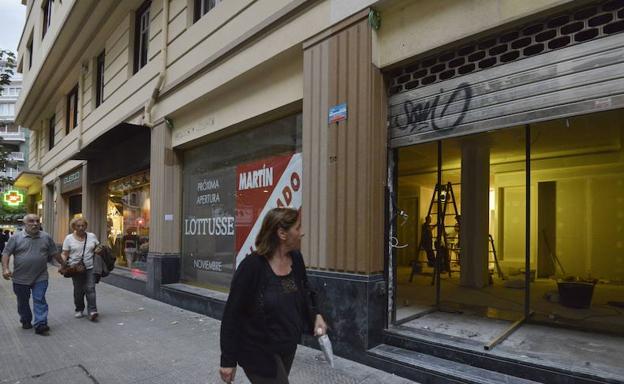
[75, 247]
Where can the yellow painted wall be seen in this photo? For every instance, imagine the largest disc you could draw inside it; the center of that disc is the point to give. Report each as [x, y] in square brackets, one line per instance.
[412, 27]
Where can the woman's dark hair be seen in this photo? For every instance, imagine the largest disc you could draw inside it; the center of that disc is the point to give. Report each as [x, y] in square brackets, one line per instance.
[267, 240]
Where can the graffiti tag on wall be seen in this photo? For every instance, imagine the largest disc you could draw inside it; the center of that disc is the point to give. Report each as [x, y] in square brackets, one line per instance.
[431, 115]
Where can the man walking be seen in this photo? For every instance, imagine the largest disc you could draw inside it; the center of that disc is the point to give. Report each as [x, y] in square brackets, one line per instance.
[31, 249]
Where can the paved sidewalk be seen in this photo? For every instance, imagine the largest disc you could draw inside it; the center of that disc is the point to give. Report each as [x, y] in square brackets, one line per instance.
[137, 340]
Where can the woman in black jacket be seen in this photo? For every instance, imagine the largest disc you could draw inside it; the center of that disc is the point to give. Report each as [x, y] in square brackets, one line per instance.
[270, 304]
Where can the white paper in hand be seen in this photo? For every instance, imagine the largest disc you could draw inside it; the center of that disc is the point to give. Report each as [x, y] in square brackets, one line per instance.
[326, 347]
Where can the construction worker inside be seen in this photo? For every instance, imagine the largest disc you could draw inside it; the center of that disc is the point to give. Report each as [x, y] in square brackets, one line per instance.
[463, 227]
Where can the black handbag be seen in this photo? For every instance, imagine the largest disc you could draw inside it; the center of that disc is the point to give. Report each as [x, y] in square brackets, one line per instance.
[77, 269]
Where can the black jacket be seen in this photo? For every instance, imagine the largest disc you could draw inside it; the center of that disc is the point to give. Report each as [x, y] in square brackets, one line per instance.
[244, 336]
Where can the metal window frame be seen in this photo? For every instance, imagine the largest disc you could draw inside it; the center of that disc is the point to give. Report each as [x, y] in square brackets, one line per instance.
[47, 16]
[71, 115]
[141, 35]
[51, 131]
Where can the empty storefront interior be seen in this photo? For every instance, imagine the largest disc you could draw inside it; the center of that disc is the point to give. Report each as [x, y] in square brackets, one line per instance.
[479, 224]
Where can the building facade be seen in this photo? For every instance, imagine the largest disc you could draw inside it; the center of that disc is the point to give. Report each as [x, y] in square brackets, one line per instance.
[173, 125]
[15, 141]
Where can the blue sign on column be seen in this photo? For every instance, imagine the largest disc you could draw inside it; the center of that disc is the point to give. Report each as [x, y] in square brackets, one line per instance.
[338, 113]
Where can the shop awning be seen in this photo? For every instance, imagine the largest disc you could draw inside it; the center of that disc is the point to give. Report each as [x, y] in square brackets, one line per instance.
[30, 181]
[102, 145]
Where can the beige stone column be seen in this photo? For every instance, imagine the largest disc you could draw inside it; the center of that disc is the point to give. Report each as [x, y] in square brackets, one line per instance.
[165, 193]
[49, 217]
[163, 260]
[475, 186]
[344, 163]
[94, 201]
[61, 213]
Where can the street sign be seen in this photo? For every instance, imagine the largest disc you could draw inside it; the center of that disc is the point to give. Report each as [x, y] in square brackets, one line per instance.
[338, 113]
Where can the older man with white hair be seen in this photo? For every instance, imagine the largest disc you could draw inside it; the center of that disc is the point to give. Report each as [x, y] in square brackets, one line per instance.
[31, 250]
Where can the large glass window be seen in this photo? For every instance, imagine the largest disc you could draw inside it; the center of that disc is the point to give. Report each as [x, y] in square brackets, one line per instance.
[128, 220]
[477, 210]
[465, 200]
[577, 238]
[228, 185]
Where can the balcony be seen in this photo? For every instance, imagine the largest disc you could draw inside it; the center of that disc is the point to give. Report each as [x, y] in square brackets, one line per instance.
[9, 136]
[9, 172]
[16, 156]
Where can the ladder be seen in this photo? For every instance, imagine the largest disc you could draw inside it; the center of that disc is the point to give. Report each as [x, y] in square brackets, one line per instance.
[499, 271]
[448, 207]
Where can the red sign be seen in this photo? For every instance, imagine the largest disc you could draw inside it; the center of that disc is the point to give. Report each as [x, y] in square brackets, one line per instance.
[261, 186]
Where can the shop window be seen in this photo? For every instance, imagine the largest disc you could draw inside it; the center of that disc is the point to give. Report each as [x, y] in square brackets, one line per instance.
[204, 6]
[47, 16]
[51, 131]
[128, 220]
[227, 185]
[75, 206]
[99, 79]
[141, 35]
[71, 117]
[479, 210]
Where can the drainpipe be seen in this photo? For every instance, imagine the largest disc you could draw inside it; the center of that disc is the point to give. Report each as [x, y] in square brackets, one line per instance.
[147, 116]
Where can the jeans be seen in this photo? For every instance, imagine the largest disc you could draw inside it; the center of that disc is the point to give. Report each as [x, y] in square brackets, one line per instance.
[40, 306]
[84, 285]
[283, 362]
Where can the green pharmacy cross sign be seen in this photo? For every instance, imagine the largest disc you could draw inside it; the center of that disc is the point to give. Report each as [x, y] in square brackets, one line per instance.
[13, 198]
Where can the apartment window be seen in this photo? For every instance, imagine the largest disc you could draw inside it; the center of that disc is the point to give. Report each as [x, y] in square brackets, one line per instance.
[51, 131]
[204, 6]
[29, 48]
[7, 109]
[99, 79]
[141, 35]
[72, 110]
[47, 16]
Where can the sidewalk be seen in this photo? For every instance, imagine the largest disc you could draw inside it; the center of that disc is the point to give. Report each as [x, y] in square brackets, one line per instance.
[137, 340]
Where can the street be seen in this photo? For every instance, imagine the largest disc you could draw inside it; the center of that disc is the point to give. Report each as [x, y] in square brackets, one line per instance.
[136, 340]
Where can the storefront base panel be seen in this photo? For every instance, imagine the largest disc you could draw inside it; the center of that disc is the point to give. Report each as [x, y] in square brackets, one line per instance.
[162, 269]
[199, 300]
[354, 308]
[124, 279]
[412, 353]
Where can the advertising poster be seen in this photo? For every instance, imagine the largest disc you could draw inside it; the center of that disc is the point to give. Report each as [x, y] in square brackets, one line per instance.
[208, 227]
[223, 212]
[263, 185]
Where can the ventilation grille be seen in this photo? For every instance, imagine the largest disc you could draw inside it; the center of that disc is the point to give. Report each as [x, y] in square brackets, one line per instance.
[563, 30]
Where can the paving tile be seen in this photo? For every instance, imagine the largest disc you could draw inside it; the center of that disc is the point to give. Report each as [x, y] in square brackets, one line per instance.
[136, 340]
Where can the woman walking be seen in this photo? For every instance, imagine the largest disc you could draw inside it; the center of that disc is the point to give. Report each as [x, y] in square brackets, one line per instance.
[79, 247]
[270, 305]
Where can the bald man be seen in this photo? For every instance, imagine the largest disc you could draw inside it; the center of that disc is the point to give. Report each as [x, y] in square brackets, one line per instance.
[30, 249]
